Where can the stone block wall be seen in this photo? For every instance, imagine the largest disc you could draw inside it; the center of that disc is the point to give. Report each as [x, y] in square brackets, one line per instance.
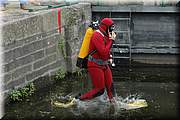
[33, 47]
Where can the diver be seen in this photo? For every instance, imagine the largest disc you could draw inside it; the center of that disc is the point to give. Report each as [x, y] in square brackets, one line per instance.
[98, 38]
[98, 68]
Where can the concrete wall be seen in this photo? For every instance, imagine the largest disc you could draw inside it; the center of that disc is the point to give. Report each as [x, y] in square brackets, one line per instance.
[33, 47]
[155, 32]
[155, 38]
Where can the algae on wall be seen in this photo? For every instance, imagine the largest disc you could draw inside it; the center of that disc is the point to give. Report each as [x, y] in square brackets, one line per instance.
[61, 47]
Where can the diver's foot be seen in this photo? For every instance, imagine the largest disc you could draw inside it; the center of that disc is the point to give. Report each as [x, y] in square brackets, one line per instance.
[138, 103]
[72, 103]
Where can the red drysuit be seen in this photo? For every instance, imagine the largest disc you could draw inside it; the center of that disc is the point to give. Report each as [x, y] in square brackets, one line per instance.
[100, 74]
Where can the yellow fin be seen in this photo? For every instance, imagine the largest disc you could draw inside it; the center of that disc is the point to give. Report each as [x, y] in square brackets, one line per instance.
[138, 103]
[65, 105]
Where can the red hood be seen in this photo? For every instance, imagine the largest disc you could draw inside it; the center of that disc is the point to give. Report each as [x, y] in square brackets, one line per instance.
[105, 24]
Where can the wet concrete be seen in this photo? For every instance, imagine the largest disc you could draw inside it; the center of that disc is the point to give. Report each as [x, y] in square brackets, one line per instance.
[162, 99]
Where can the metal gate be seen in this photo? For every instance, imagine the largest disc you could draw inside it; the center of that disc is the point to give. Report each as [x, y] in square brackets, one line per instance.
[121, 48]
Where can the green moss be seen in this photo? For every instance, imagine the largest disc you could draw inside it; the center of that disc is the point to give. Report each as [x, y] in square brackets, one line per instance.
[20, 94]
[80, 72]
[61, 46]
[60, 74]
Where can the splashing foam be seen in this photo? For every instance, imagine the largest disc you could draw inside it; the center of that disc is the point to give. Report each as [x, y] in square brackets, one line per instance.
[101, 106]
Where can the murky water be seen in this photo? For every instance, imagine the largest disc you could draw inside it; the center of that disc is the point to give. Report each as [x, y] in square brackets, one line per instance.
[162, 99]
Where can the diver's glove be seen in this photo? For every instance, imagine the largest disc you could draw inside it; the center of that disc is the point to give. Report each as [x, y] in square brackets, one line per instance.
[112, 35]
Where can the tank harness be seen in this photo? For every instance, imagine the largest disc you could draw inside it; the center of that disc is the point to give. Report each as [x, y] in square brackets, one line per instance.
[98, 61]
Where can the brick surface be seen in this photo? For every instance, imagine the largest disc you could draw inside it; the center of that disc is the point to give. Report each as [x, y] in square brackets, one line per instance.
[21, 71]
[44, 61]
[51, 50]
[21, 29]
[7, 78]
[8, 56]
[14, 83]
[39, 72]
[23, 61]
[34, 48]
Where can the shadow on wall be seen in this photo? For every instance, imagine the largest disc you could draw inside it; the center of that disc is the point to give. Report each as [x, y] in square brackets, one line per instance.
[68, 49]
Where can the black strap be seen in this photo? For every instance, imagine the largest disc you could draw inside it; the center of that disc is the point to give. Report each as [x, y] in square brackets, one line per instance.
[92, 52]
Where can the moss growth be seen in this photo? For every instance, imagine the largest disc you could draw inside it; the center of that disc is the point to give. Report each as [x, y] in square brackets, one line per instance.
[60, 74]
[61, 46]
[80, 72]
[20, 94]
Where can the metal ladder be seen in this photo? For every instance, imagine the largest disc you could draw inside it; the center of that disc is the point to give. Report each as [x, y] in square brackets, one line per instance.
[122, 47]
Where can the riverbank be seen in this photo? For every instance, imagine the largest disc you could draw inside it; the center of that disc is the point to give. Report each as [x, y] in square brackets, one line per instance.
[162, 98]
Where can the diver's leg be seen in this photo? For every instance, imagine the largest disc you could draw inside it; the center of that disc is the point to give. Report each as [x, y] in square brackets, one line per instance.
[97, 78]
[109, 83]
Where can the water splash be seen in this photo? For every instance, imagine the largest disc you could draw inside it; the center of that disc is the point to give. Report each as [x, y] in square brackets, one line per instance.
[101, 107]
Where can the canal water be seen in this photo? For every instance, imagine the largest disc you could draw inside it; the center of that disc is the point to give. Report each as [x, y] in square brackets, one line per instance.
[157, 85]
